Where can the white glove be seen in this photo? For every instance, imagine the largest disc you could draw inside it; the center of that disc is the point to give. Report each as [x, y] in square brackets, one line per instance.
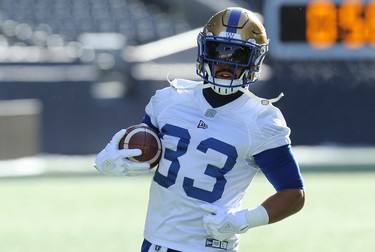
[222, 225]
[112, 161]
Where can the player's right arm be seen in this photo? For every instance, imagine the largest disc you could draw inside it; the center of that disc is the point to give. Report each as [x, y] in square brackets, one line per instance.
[147, 120]
[113, 161]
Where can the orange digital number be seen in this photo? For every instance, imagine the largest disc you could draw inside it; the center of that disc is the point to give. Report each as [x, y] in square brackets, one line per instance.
[351, 23]
[321, 24]
[370, 21]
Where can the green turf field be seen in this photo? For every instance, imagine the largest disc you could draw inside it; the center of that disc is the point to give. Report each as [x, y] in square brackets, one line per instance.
[92, 213]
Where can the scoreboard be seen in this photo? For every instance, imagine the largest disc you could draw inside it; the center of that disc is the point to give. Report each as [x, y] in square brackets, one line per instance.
[321, 29]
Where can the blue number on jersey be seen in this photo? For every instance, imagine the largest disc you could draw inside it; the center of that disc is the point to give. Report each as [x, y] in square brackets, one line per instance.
[171, 155]
[211, 170]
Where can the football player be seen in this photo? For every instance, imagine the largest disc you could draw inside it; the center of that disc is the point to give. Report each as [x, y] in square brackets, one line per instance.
[216, 136]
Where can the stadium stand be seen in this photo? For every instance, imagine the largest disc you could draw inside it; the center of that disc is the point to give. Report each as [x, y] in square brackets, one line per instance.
[59, 52]
[34, 21]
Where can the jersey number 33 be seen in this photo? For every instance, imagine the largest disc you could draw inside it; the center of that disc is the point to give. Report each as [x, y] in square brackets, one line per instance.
[213, 171]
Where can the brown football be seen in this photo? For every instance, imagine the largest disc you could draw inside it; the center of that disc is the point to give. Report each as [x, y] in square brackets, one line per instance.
[142, 137]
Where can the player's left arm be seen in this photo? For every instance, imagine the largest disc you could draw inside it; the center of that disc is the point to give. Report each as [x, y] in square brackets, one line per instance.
[282, 171]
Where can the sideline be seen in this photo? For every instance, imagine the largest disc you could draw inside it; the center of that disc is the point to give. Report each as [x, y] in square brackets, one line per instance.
[321, 158]
[332, 155]
[47, 164]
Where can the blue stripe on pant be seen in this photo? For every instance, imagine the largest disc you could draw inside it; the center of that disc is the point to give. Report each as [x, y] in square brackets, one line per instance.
[146, 246]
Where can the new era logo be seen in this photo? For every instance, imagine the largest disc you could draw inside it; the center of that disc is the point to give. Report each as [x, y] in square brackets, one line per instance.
[202, 125]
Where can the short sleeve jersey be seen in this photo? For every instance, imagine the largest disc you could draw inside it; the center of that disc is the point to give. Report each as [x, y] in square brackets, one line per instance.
[207, 158]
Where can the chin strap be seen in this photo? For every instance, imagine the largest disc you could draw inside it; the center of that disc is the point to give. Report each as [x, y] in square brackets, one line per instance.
[195, 86]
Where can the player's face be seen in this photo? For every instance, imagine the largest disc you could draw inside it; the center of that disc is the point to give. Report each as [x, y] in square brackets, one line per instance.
[226, 72]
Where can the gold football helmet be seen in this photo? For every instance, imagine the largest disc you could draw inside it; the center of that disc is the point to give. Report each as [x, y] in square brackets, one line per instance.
[236, 40]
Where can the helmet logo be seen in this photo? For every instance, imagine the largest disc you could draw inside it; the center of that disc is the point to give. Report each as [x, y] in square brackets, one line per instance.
[230, 35]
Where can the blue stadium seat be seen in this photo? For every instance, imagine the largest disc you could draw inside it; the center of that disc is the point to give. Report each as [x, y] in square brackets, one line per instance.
[139, 21]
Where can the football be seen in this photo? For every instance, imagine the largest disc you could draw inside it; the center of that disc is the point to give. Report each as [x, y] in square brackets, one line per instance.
[142, 137]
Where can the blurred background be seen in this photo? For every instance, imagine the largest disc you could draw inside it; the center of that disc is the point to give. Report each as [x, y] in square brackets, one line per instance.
[73, 72]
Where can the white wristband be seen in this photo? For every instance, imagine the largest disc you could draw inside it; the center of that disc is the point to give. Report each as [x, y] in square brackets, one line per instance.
[257, 217]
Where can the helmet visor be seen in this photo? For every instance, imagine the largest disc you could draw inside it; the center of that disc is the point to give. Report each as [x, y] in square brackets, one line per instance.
[228, 53]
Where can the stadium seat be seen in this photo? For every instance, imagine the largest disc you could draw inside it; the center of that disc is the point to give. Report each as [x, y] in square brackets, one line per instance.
[139, 21]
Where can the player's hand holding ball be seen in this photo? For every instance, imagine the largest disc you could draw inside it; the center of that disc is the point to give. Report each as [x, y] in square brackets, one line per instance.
[122, 158]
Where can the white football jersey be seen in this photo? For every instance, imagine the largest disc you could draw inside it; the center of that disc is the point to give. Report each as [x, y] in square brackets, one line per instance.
[207, 158]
